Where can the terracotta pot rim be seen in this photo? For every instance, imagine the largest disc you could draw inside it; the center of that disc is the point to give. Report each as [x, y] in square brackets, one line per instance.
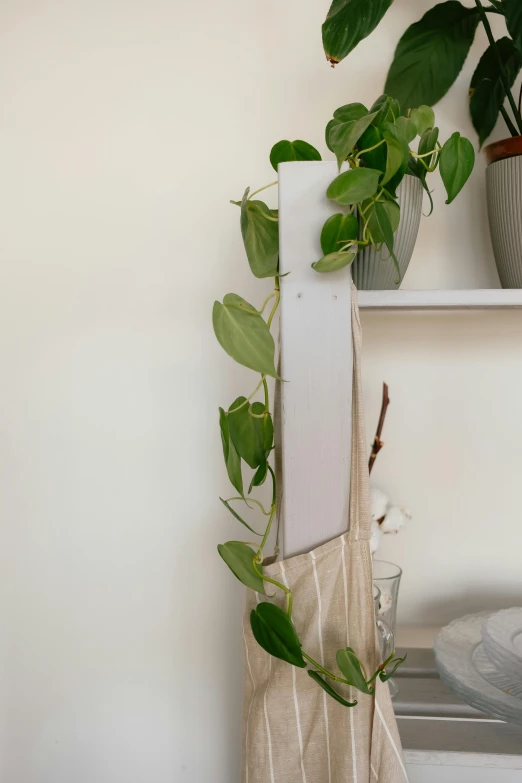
[505, 148]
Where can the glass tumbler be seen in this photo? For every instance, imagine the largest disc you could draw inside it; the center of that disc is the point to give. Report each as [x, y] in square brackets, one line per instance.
[387, 579]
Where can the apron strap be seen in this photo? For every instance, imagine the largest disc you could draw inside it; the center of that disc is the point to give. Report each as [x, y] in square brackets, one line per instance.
[359, 514]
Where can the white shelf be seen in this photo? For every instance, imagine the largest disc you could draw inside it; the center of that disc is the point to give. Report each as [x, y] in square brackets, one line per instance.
[456, 299]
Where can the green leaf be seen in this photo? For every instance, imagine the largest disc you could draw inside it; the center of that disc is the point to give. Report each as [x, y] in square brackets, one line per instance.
[391, 130]
[350, 111]
[328, 130]
[487, 93]
[375, 158]
[431, 53]
[428, 143]
[259, 477]
[329, 690]
[244, 335]
[513, 13]
[394, 157]
[354, 185]
[239, 557]
[381, 230]
[456, 164]
[285, 151]
[407, 127]
[274, 632]
[393, 211]
[333, 262]
[385, 675]
[260, 237]
[351, 669]
[247, 432]
[423, 118]
[344, 137]
[386, 109]
[338, 230]
[239, 519]
[232, 460]
[348, 22]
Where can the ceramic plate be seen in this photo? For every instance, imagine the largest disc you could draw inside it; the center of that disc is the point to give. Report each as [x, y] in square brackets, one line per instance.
[465, 668]
[502, 637]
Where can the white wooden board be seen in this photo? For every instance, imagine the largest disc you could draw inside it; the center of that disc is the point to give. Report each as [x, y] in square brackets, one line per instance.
[316, 363]
[464, 299]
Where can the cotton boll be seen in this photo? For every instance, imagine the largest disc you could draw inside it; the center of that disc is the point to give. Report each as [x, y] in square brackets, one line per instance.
[396, 517]
[379, 503]
[375, 540]
[385, 603]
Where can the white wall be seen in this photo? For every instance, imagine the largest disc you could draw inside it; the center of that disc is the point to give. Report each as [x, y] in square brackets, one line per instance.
[125, 129]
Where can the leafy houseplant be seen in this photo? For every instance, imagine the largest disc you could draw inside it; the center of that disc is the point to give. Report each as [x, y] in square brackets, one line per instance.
[427, 61]
[431, 53]
[375, 144]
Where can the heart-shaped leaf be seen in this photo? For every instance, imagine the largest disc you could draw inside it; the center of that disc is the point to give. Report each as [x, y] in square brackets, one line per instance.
[239, 519]
[386, 109]
[329, 690]
[333, 262]
[350, 111]
[394, 157]
[232, 460]
[373, 156]
[456, 163]
[353, 186]
[344, 137]
[428, 143]
[260, 236]
[337, 231]
[423, 118]
[513, 12]
[408, 127]
[390, 130]
[259, 476]
[244, 335]
[328, 130]
[381, 231]
[393, 211]
[487, 88]
[239, 557]
[285, 151]
[247, 432]
[431, 53]
[351, 669]
[274, 631]
[348, 22]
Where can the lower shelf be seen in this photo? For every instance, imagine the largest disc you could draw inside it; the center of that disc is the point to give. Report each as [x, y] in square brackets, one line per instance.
[434, 299]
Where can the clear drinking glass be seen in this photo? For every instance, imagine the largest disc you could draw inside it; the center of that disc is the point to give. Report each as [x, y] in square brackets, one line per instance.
[387, 579]
[387, 641]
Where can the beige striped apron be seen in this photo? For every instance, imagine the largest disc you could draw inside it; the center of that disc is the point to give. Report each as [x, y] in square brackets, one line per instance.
[293, 732]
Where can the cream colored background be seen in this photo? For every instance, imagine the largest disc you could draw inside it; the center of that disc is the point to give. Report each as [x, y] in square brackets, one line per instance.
[125, 129]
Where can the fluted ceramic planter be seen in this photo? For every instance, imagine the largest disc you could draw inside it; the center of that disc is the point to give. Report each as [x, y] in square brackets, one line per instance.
[374, 270]
[504, 197]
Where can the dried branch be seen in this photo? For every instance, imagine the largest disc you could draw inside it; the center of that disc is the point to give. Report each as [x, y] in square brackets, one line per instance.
[377, 442]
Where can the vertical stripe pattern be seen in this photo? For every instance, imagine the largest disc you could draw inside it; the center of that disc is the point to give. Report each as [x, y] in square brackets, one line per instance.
[292, 731]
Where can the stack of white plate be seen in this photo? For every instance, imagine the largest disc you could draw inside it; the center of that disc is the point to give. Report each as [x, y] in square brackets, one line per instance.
[480, 658]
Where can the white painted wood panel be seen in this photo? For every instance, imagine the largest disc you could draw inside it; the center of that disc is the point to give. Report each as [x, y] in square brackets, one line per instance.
[316, 363]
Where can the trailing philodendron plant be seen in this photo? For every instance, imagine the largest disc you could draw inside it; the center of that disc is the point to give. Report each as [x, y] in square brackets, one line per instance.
[431, 53]
[247, 433]
[378, 145]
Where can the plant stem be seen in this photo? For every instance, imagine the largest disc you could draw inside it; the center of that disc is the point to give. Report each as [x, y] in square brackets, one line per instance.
[248, 398]
[276, 304]
[501, 69]
[507, 120]
[267, 402]
[270, 185]
[251, 500]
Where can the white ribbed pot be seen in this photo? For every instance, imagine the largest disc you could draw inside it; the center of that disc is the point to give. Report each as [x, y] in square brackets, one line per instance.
[374, 270]
[504, 197]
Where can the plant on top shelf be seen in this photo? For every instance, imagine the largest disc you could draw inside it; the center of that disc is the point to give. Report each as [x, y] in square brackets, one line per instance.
[378, 145]
[432, 51]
